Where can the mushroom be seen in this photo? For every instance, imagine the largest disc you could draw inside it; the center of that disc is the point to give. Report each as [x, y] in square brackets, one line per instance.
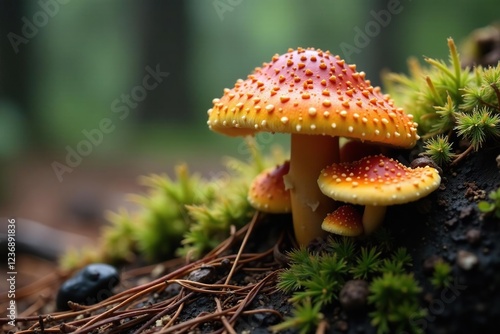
[353, 150]
[268, 193]
[317, 97]
[377, 182]
[346, 220]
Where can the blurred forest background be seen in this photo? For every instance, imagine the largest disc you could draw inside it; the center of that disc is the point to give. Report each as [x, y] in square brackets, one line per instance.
[65, 66]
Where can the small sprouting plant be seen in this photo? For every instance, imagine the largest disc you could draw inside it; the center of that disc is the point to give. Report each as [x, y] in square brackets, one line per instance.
[439, 150]
[344, 247]
[305, 317]
[450, 103]
[395, 298]
[493, 207]
[398, 263]
[367, 263]
[401, 256]
[313, 276]
[477, 126]
[302, 264]
[441, 277]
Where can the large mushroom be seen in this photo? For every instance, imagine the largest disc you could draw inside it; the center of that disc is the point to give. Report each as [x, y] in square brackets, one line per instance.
[377, 182]
[317, 97]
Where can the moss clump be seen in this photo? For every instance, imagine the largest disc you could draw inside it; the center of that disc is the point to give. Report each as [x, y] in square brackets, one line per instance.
[441, 276]
[395, 298]
[450, 104]
[185, 215]
[314, 279]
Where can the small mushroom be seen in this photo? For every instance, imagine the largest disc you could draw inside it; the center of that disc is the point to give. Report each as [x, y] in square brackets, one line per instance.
[268, 192]
[316, 97]
[346, 220]
[377, 182]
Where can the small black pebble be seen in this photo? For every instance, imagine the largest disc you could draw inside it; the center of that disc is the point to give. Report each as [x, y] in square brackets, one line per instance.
[354, 295]
[205, 274]
[473, 236]
[89, 286]
[430, 263]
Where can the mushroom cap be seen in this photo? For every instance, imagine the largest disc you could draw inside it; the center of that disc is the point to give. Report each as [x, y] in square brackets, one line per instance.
[308, 91]
[377, 180]
[346, 220]
[268, 192]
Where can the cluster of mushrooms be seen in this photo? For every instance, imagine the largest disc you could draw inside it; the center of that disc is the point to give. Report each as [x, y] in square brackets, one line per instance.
[317, 98]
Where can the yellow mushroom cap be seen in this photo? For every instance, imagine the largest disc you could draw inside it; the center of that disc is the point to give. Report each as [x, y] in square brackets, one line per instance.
[377, 180]
[308, 91]
[268, 192]
[346, 220]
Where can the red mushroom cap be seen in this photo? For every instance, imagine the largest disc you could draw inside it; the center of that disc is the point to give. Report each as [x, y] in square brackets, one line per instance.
[308, 91]
[377, 180]
[346, 220]
[268, 192]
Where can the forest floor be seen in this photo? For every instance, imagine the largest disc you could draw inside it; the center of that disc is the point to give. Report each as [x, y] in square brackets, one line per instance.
[233, 288]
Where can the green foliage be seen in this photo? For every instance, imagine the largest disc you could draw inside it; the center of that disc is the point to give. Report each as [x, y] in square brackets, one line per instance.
[477, 126]
[491, 207]
[395, 298]
[186, 214]
[367, 263]
[344, 247]
[164, 218]
[450, 103]
[120, 237]
[398, 263]
[212, 219]
[317, 278]
[439, 150]
[305, 317]
[441, 277]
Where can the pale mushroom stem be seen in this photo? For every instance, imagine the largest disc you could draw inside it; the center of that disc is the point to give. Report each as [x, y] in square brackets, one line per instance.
[309, 154]
[373, 216]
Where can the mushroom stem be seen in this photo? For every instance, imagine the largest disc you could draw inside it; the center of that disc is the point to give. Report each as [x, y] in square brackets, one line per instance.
[308, 156]
[373, 216]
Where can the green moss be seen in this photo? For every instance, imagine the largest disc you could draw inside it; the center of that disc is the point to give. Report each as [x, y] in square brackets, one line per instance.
[305, 317]
[317, 278]
[185, 215]
[441, 277]
[450, 103]
[395, 298]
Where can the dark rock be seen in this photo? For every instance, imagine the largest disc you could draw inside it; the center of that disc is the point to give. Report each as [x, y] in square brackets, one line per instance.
[265, 319]
[89, 286]
[473, 236]
[205, 274]
[466, 260]
[451, 222]
[341, 325]
[425, 161]
[430, 263]
[354, 295]
[466, 212]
